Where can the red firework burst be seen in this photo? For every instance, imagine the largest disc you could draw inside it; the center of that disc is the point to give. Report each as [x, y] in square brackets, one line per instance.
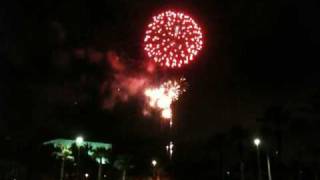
[173, 39]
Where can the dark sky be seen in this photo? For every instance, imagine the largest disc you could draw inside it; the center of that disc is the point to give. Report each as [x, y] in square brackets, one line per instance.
[258, 53]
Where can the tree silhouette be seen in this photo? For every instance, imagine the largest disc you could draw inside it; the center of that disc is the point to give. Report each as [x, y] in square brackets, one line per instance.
[63, 154]
[123, 163]
[101, 155]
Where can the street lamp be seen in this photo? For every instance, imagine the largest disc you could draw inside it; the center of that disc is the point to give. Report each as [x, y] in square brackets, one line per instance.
[257, 143]
[86, 175]
[154, 164]
[79, 143]
[269, 168]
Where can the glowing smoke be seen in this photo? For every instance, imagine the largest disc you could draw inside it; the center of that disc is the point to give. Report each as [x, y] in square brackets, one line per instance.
[140, 83]
[124, 83]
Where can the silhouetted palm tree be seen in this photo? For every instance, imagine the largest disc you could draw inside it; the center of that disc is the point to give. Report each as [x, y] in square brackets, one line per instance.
[123, 163]
[101, 156]
[64, 154]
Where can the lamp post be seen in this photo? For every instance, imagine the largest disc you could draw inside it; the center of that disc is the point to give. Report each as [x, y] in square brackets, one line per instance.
[79, 143]
[154, 165]
[86, 175]
[269, 168]
[257, 143]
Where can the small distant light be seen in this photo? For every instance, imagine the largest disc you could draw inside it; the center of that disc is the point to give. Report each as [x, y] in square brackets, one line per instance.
[171, 144]
[154, 163]
[257, 141]
[86, 175]
[104, 175]
[228, 172]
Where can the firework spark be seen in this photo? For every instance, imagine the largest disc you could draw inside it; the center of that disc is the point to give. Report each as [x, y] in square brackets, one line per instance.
[173, 39]
[162, 97]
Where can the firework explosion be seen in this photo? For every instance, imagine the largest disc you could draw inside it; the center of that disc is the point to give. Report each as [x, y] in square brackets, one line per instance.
[162, 97]
[173, 39]
[127, 84]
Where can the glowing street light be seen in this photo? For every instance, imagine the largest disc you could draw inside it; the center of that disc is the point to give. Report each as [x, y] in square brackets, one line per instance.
[79, 141]
[257, 143]
[86, 175]
[154, 163]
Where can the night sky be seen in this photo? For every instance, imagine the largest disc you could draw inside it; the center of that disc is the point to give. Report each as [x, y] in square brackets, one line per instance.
[257, 54]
